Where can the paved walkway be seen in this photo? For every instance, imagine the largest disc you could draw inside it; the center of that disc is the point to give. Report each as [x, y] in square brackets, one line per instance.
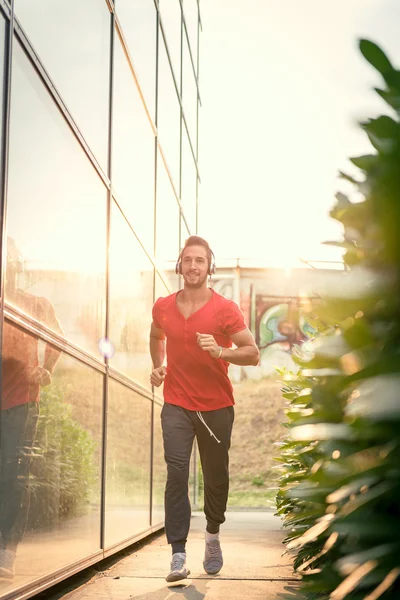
[253, 566]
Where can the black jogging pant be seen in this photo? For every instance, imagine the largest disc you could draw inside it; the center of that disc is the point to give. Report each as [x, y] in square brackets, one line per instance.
[180, 426]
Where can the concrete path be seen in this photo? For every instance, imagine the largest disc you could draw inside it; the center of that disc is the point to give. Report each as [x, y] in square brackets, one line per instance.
[253, 566]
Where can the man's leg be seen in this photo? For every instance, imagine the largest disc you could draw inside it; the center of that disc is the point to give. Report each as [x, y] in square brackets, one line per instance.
[214, 458]
[18, 429]
[178, 436]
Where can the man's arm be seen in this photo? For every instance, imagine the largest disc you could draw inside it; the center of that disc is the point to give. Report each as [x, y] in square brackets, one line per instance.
[246, 353]
[51, 354]
[157, 346]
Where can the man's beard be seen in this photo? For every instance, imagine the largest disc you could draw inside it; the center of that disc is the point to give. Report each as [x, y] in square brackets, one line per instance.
[195, 283]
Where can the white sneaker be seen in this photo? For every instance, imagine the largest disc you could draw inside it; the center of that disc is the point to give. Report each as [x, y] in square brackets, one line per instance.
[7, 560]
[178, 567]
[213, 560]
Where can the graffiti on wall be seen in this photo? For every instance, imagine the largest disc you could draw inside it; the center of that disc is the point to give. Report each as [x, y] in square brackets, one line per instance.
[280, 323]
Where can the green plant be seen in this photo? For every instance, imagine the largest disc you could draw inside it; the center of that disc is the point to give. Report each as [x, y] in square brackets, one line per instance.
[258, 480]
[340, 462]
[63, 470]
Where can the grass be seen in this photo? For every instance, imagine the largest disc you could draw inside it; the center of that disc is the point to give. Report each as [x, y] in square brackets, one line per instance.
[258, 498]
[259, 414]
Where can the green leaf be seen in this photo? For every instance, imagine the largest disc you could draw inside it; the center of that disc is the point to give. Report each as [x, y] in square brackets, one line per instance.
[351, 561]
[322, 431]
[365, 162]
[351, 582]
[392, 78]
[349, 178]
[359, 335]
[375, 56]
[312, 533]
[376, 398]
[352, 488]
[391, 97]
[382, 133]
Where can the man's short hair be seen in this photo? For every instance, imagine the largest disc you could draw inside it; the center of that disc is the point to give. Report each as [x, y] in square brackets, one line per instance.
[196, 240]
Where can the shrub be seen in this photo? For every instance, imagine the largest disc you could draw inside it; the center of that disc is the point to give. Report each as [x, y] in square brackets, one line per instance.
[63, 469]
[340, 483]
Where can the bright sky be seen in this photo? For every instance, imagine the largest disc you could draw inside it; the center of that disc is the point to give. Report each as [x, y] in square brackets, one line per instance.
[282, 85]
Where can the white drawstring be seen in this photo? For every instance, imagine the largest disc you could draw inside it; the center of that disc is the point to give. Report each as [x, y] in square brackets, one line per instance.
[205, 424]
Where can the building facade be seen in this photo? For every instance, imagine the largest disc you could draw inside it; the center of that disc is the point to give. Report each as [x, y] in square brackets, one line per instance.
[99, 190]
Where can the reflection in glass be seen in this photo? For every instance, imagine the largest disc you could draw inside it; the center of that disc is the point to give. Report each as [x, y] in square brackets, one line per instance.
[50, 455]
[159, 466]
[189, 175]
[128, 463]
[78, 63]
[171, 16]
[134, 151]
[184, 233]
[170, 278]
[131, 296]
[169, 115]
[161, 291]
[56, 213]
[167, 217]
[159, 469]
[139, 24]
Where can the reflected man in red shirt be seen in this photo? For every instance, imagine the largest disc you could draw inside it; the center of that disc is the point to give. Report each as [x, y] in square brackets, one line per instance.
[22, 377]
[194, 330]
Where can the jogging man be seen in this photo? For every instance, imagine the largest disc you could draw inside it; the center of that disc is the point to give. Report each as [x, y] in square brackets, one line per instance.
[199, 326]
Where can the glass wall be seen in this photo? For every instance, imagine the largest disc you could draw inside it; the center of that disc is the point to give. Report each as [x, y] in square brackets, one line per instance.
[50, 478]
[100, 193]
[128, 463]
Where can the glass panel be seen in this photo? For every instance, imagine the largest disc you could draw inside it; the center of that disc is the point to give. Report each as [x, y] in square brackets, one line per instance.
[169, 115]
[50, 454]
[169, 276]
[188, 175]
[131, 299]
[191, 12]
[139, 24]
[77, 62]
[134, 149]
[128, 463]
[189, 96]
[56, 216]
[184, 233]
[161, 291]
[167, 218]
[159, 469]
[171, 16]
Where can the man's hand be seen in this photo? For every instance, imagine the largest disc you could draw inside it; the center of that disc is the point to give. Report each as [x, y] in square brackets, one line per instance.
[41, 376]
[208, 344]
[157, 376]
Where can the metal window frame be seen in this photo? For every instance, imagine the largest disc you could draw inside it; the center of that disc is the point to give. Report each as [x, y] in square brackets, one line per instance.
[195, 70]
[103, 485]
[153, 124]
[4, 153]
[177, 90]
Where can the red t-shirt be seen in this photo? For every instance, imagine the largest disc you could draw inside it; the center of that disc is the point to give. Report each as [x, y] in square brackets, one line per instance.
[194, 379]
[20, 353]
